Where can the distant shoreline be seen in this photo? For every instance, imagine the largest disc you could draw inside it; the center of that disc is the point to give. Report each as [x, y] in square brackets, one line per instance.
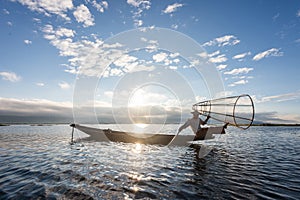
[51, 124]
[270, 124]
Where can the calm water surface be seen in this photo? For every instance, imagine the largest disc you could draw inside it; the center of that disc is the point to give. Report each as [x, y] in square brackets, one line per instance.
[37, 162]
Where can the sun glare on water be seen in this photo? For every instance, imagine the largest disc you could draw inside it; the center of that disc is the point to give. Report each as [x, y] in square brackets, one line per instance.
[141, 125]
[137, 148]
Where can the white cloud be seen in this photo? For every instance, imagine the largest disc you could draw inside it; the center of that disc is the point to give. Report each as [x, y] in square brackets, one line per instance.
[125, 60]
[236, 71]
[174, 26]
[172, 8]
[64, 32]
[152, 46]
[49, 7]
[298, 13]
[82, 14]
[40, 84]
[138, 22]
[160, 57]
[222, 66]
[240, 82]
[6, 12]
[297, 41]
[140, 5]
[58, 33]
[92, 58]
[223, 41]
[174, 55]
[27, 42]
[37, 20]
[10, 76]
[11, 106]
[275, 17]
[116, 72]
[203, 54]
[194, 62]
[9, 23]
[214, 54]
[242, 55]
[275, 117]
[176, 60]
[281, 97]
[101, 6]
[268, 53]
[63, 85]
[218, 59]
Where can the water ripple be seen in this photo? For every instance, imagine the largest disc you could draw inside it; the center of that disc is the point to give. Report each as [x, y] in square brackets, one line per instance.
[39, 163]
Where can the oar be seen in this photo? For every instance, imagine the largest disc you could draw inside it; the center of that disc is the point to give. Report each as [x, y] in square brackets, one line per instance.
[72, 142]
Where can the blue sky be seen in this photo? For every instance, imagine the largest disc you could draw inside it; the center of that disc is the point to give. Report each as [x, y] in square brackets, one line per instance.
[254, 46]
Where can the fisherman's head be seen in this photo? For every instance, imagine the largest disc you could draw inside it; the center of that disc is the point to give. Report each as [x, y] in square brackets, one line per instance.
[195, 113]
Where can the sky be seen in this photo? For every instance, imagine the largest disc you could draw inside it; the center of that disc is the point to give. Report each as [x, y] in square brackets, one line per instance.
[64, 57]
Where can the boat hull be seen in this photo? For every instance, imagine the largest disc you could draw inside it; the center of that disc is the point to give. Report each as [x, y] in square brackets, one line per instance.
[101, 135]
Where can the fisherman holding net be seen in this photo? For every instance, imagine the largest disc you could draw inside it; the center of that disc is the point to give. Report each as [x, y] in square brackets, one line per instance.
[195, 123]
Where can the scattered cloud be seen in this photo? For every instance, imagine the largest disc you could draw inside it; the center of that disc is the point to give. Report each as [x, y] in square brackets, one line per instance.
[40, 84]
[297, 41]
[27, 41]
[275, 17]
[9, 23]
[236, 71]
[82, 15]
[229, 40]
[240, 82]
[10, 76]
[86, 57]
[37, 20]
[281, 97]
[47, 7]
[41, 110]
[214, 54]
[141, 6]
[63, 85]
[268, 53]
[218, 59]
[174, 26]
[275, 117]
[172, 8]
[139, 3]
[160, 57]
[125, 60]
[64, 32]
[222, 66]
[298, 13]
[6, 12]
[101, 6]
[241, 56]
[21, 107]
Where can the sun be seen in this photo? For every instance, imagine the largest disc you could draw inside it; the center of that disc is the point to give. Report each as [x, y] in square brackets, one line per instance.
[138, 98]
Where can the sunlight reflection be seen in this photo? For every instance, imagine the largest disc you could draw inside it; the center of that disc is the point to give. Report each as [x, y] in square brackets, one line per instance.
[141, 125]
[138, 148]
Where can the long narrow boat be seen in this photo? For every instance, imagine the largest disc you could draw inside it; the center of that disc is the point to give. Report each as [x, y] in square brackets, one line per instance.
[101, 135]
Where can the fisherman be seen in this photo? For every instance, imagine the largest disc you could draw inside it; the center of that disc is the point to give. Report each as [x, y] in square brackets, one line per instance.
[195, 123]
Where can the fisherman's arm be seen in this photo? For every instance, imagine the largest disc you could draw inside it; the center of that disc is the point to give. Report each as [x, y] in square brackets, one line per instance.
[205, 121]
[185, 125]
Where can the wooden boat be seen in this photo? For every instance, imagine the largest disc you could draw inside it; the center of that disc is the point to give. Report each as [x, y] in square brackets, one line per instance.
[101, 135]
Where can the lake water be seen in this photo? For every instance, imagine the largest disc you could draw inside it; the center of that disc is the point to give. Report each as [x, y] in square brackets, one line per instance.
[37, 162]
